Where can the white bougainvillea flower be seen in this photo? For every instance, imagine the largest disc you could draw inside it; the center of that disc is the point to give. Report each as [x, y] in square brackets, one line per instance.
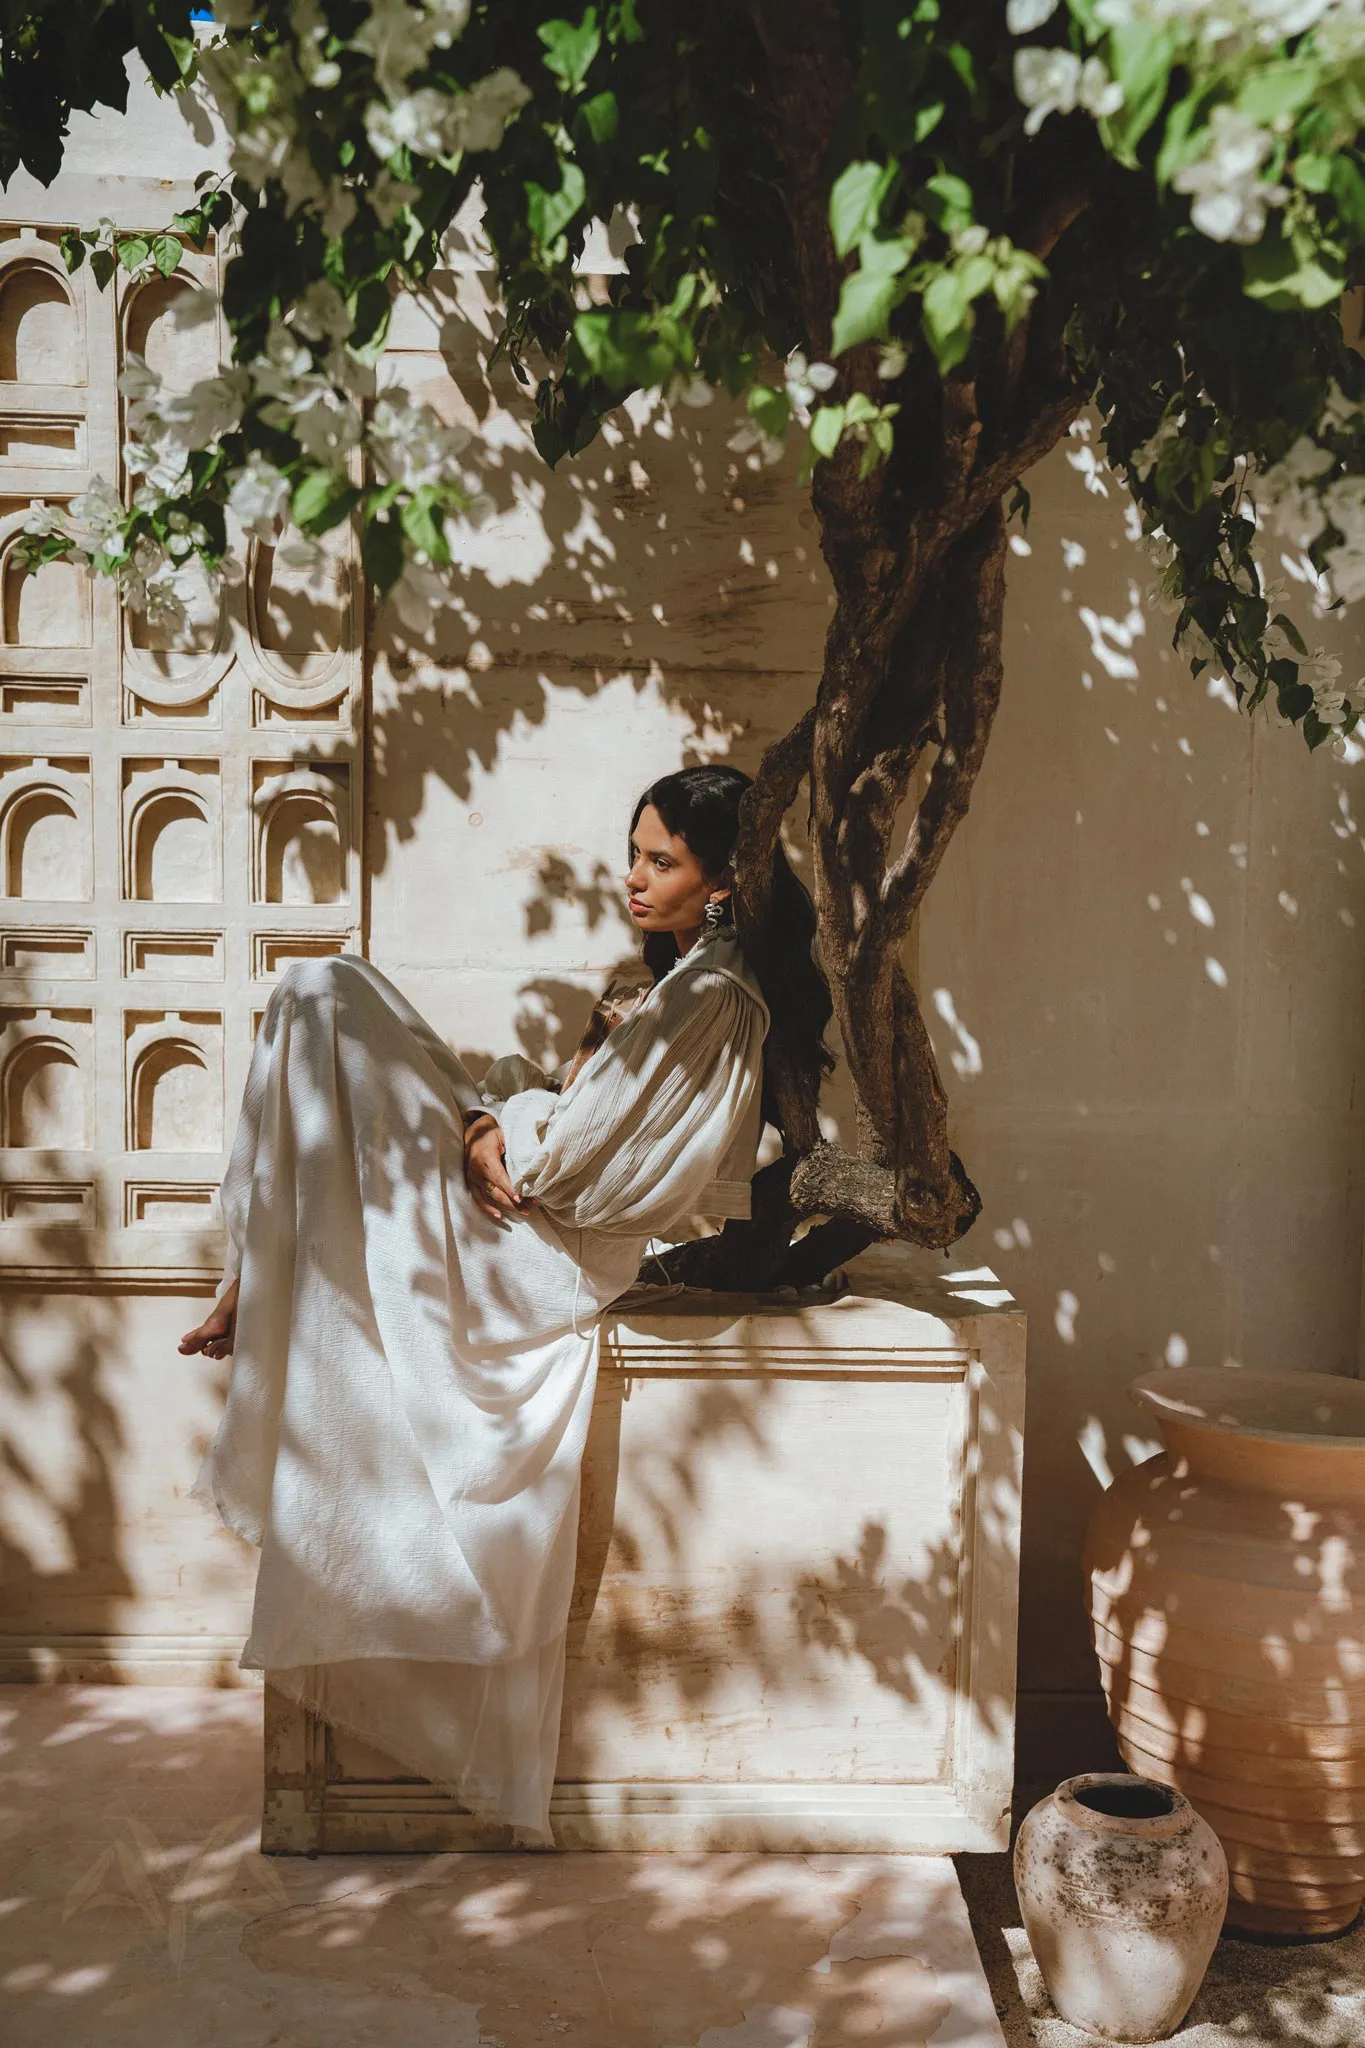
[1058, 81]
[412, 445]
[1231, 200]
[328, 429]
[1344, 501]
[97, 510]
[1339, 411]
[693, 391]
[1287, 496]
[892, 361]
[137, 379]
[259, 497]
[1023, 16]
[193, 308]
[419, 596]
[1146, 458]
[804, 381]
[388, 196]
[479, 117]
[320, 314]
[750, 440]
[209, 409]
[419, 121]
[400, 38]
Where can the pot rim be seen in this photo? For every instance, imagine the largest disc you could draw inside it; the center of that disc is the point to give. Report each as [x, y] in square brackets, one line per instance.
[1151, 1827]
[1159, 1392]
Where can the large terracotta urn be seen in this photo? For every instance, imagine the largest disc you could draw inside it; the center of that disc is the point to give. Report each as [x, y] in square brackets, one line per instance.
[1226, 1584]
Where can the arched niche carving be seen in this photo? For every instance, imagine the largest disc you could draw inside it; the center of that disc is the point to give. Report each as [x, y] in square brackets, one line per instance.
[176, 667]
[40, 329]
[302, 624]
[302, 857]
[171, 850]
[43, 846]
[176, 1101]
[45, 607]
[300, 844]
[42, 1096]
[181, 356]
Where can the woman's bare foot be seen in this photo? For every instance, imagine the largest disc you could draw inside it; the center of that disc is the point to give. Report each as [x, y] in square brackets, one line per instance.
[214, 1335]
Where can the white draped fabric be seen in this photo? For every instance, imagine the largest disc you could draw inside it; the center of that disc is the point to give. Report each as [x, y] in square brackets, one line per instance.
[411, 1381]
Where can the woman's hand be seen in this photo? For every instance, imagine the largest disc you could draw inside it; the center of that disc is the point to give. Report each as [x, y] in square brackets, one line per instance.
[215, 1334]
[485, 1172]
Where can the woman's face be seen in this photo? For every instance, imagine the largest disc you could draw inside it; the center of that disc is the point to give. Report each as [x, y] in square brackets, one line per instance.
[667, 886]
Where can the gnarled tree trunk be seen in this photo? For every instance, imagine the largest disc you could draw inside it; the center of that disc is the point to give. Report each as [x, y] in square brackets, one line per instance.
[909, 689]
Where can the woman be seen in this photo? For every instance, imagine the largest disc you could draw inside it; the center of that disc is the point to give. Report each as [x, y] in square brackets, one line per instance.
[415, 1269]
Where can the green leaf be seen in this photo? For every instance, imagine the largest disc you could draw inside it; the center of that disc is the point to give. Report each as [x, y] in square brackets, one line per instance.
[826, 429]
[601, 116]
[1290, 631]
[1313, 173]
[1178, 142]
[133, 250]
[960, 57]
[1272, 90]
[1140, 60]
[371, 311]
[166, 254]
[947, 200]
[1348, 189]
[855, 202]
[72, 246]
[1285, 278]
[927, 119]
[421, 518]
[772, 409]
[947, 319]
[103, 264]
[548, 212]
[322, 500]
[381, 553]
[1020, 502]
[570, 48]
[627, 349]
[869, 293]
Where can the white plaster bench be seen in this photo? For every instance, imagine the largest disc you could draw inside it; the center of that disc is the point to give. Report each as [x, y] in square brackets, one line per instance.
[794, 1619]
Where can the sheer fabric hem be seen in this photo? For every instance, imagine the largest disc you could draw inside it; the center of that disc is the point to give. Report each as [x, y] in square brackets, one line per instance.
[381, 1701]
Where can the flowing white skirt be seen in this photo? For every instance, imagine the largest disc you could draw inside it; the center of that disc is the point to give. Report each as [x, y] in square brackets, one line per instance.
[409, 1400]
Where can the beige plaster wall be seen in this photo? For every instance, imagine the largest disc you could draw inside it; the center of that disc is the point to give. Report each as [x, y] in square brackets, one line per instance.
[1143, 956]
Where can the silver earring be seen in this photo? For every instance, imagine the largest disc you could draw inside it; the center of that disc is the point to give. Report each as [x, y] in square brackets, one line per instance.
[713, 917]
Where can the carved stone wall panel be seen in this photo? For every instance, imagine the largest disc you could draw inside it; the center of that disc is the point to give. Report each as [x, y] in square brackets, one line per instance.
[47, 1089]
[301, 833]
[173, 1069]
[45, 842]
[206, 848]
[171, 839]
[58, 954]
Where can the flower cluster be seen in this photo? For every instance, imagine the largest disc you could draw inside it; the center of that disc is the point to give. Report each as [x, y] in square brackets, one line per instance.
[268, 100]
[310, 95]
[1227, 156]
[1058, 81]
[1313, 499]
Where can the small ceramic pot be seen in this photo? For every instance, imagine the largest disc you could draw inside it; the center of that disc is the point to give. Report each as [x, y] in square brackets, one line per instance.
[1123, 1889]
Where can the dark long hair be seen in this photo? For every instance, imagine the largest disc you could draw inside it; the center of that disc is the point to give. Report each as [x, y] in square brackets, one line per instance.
[701, 805]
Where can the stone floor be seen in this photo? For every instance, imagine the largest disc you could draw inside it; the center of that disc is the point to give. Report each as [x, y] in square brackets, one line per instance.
[134, 1907]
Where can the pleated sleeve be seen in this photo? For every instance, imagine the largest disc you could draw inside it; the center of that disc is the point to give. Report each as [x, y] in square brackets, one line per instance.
[643, 1129]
